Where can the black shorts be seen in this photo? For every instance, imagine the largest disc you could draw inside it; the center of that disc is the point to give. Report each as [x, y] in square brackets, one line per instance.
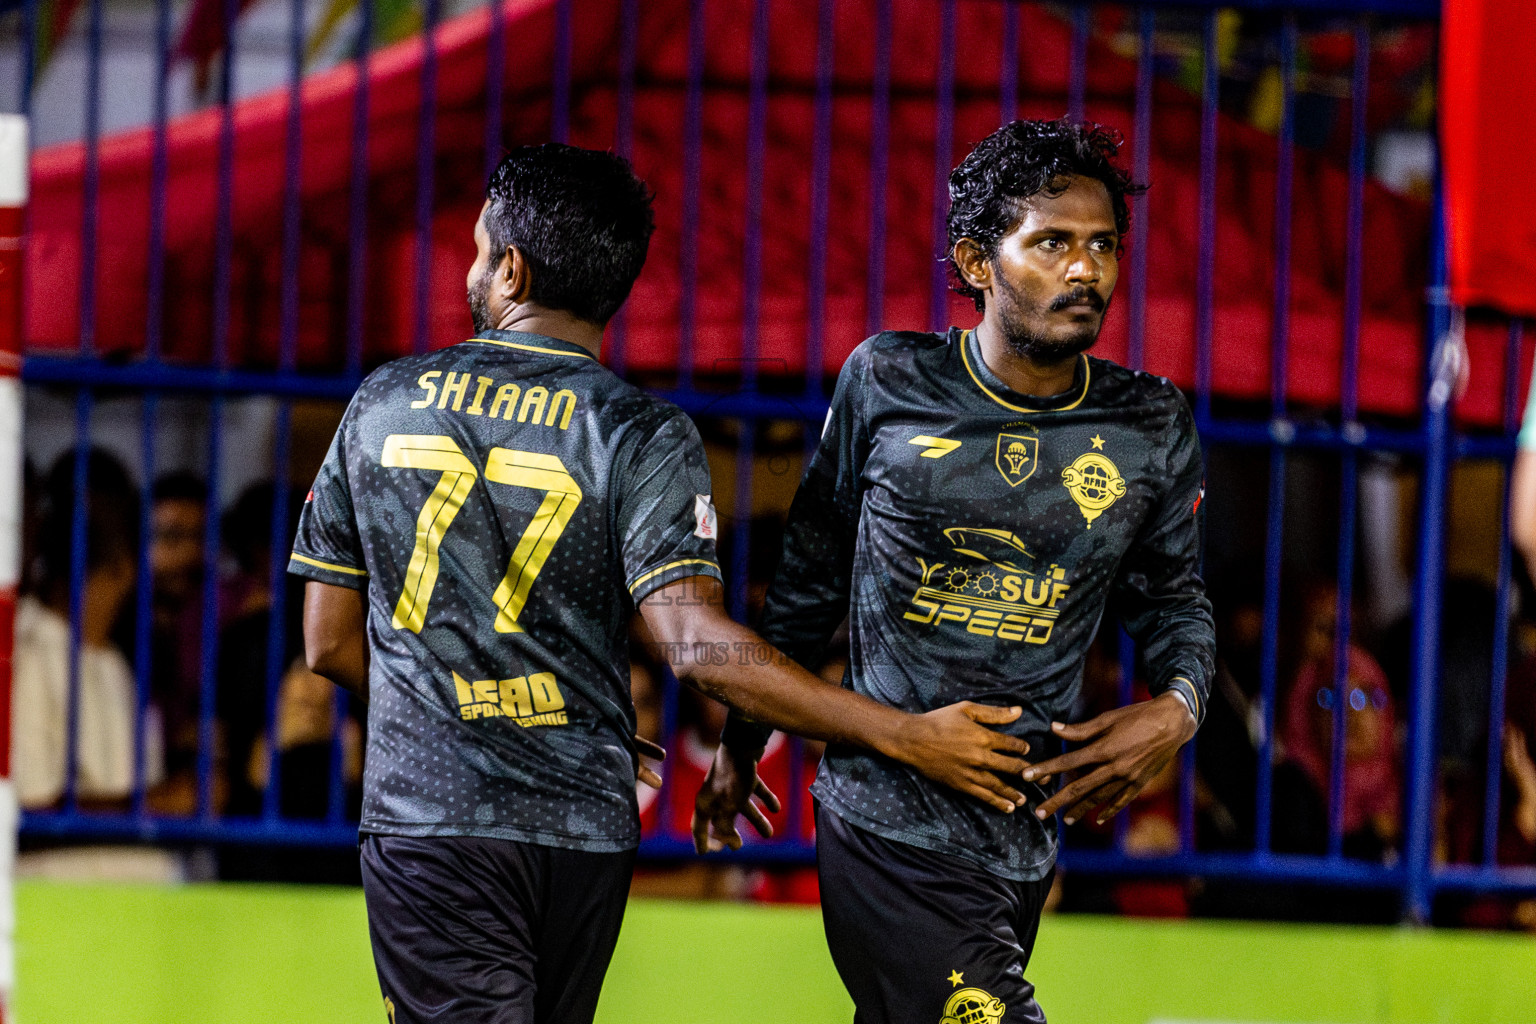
[491, 931]
[920, 937]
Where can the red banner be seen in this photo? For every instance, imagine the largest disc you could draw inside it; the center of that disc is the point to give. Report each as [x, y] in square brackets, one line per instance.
[1488, 152]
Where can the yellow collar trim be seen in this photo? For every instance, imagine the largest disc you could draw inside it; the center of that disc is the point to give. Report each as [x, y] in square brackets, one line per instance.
[532, 348]
[965, 356]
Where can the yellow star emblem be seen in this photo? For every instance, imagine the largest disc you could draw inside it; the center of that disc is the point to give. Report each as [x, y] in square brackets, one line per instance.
[955, 978]
[1098, 442]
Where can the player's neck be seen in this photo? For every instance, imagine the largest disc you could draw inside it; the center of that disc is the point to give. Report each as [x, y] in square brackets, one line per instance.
[553, 323]
[1021, 373]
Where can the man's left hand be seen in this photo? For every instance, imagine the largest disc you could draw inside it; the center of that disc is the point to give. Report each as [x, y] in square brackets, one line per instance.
[1124, 750]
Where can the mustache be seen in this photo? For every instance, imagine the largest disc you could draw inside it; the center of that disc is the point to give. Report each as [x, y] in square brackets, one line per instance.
[1078, 297]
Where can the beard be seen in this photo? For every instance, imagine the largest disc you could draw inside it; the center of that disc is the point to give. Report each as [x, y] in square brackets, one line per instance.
[480, 301]
[1037, 347]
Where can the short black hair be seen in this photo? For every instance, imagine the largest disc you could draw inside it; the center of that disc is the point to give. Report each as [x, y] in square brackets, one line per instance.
[582, 220]
[111, 511]
[182, 485]
[1023, 159]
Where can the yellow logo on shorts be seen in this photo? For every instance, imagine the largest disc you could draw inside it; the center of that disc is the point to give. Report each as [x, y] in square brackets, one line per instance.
[973, 1006]
[389, 1008]
[1094, 483]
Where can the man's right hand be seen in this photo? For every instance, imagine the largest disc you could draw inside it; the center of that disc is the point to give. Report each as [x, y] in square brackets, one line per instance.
[726, 793]
[954, 746]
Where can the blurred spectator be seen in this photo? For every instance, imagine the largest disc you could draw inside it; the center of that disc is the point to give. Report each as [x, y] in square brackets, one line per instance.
[177, 524]
[244, 647]
[106, 723]
[1227, 754]
[1150, 822]
[1371, 805]
[1462, 827]
[305, 729]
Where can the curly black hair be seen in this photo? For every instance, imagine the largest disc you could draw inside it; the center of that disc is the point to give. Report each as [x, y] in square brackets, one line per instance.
[1023, 159]
[582, 220]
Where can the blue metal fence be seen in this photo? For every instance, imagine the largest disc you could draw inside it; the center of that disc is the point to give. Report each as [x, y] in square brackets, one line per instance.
[1276, 435]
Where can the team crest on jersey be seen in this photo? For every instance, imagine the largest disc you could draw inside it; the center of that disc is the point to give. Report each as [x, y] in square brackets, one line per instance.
[1016, 457]
[972, 1005]
[706, 520]
[1094, 483]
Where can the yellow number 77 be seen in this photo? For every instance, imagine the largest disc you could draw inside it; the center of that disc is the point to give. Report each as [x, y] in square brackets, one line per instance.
[503, 466]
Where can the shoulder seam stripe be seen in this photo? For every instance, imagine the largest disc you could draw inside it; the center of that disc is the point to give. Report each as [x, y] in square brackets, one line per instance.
[295, 556]
[532, 348]
[965, 357]
[671, 565]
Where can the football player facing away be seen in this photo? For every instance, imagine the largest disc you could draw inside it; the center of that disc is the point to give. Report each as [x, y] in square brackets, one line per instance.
[486, 521]
[976, 498]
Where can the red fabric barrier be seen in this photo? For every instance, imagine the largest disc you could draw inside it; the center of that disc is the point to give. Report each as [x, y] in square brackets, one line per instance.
[1489, 153]
[1396, 229]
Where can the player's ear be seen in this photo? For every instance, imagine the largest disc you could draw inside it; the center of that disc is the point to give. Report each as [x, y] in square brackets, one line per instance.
[971, 261]
[514, 278]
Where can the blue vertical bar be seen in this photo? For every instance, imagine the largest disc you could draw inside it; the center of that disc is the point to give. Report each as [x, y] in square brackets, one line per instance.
[28, 55]
[89, 265]
[1008, 70]
[1205, 286]
[624, 144]
[79, 538]
[223, 244]
[741, 536]
[1279, 333]
[1141, 160]
[1135, 349]
[671, 697]
[1353, 278]
[223, 267]
[757, 155]
[336, 795]
[426, 153]
[1349, 398]
[357, 196]
[280, 542]
[751, 297]
[1492, 795]
[943, 152]
[693, 156]
[1127, 652]
[1420, 817]
[821, 187]
[560, 101]
[154, 329]
[879, 162]
[143, 607]
[209, 666]
[288, 342]
[495, 85]
[1187, 796]
[277, 613]
[1077, 87]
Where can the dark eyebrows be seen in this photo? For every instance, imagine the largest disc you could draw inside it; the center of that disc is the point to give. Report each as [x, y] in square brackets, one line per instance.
[1045, 231]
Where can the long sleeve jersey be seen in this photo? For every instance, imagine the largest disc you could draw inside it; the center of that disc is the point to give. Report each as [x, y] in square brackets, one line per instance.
[973, 536]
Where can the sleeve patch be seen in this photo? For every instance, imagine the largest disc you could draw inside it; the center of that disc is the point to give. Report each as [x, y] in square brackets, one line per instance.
[706, 520]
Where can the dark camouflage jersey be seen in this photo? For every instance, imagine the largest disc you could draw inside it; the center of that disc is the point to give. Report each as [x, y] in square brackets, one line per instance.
[973, 535]
[505, 503]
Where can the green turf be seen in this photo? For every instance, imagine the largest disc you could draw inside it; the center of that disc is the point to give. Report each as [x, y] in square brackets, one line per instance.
[227, 954]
